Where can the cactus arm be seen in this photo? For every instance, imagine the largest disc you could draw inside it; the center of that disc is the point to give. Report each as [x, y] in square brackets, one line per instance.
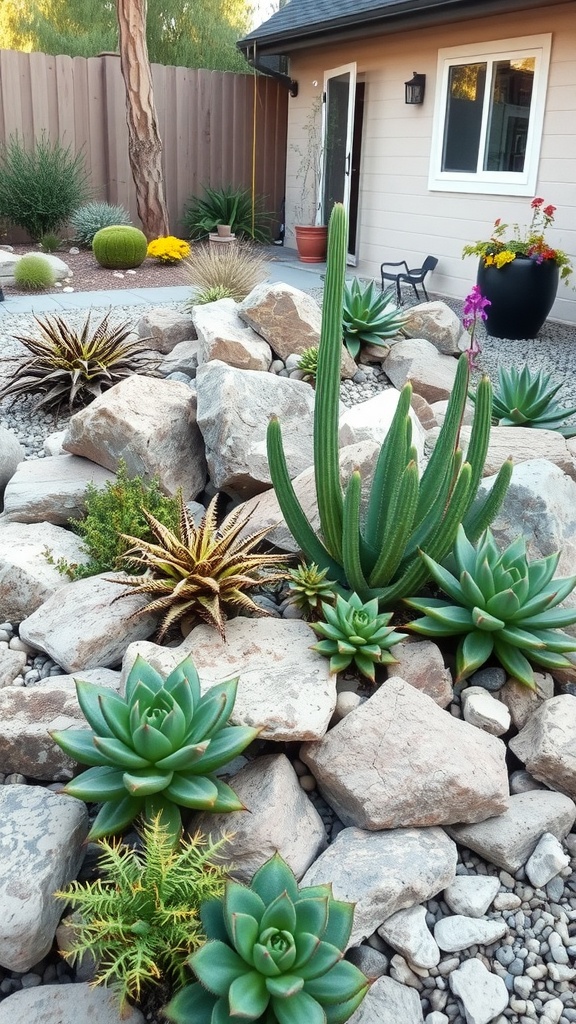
[481, 514]
[326, 461]
[480, 433]
[351, 537]
[291, 508]
[391, 463]
[440, 460]
[397, 527]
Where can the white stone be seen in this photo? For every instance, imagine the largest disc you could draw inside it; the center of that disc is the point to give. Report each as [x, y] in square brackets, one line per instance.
[387, 1002]
[421, 663]
[41, 836]
[27, 578]
[436, 322]
[458, 932]
[547, 861]
[222, 335]
[523, 444]
[52, 490]
[11, 453]
[471, 895]
[481, 709]
[163, 328]
[547, 744]
[8, 261]
[182, 359]
[484, 995]
[418, 361]
[62, 1004]
[407, 932]
[383, 872]
[371, 421]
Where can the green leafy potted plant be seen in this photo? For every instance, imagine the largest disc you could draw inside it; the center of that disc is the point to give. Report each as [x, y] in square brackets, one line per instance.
[310, 230]
[519, 274]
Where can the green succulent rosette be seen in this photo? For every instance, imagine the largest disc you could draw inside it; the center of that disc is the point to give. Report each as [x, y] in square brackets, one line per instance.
[368, 316]
[355, 632]
[526, 399]
[502, 605]
[274, 955]
[156, 749]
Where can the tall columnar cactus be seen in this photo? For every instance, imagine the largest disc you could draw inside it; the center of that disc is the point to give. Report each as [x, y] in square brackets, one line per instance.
[379, 557]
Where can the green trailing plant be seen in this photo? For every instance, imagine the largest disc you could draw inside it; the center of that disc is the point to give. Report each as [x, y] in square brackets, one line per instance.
[200, 572]
[309, 586]
[274, 956]
[114, 510]
[140, 919]
[71, 365]
[121, 247]
[308, 363]
[231, 272]
[368, 316]
[34, 273]
[213, 294]
[91, 217]
[354, 632]
[40, 186]
[227, 205]
[526, 399]
[379, 556]
[156, 749]
[499, 604]
[50, 242]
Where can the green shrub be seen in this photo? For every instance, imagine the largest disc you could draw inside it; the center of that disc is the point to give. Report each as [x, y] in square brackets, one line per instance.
[50, 242]
[41, 186]
[155, 750]
[140, 919]
[92, 217]
[120, 247]
[34, 273]
[118, 508]
[379, 557]
[227, 205]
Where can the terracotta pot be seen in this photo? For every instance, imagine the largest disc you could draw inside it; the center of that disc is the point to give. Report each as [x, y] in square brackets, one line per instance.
[311, 243]
[522, 294]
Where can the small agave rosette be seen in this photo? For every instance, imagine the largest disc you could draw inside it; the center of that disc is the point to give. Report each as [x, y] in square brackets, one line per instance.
[274, 955]
[500, 604]
[355, 632]
[156, 749]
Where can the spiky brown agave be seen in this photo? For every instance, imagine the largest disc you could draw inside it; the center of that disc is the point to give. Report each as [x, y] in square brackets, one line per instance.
[201, 570]
[73, 365]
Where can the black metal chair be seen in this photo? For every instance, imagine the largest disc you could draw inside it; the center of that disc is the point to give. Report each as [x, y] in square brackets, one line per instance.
[412, 277]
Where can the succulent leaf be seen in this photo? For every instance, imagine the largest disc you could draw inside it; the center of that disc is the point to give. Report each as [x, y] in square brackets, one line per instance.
[355, 632]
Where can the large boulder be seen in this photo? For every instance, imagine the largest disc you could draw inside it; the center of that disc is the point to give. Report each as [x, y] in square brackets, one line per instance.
[418, 362]
[234, 407]
[52, 490]
[222, 335]
[151, 425]
[522, 444]
[287, 318]
[29, 555]
[437, 323]
[371, 421]
[63, 1004]
[547, 744]
[400, 760]
[163, 328]
[11, 453]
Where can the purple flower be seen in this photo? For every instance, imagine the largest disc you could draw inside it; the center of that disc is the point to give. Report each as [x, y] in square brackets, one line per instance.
[474, 311]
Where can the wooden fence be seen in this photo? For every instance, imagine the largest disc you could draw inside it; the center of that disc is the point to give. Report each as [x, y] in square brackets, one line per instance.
[206, 121]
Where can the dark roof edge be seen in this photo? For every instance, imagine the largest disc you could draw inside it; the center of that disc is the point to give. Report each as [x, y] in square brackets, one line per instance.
[407, 14]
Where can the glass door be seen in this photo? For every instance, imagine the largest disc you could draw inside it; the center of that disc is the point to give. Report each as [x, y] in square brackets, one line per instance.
[337, 137]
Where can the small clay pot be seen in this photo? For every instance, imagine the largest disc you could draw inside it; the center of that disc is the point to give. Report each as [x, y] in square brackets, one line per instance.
[223, 230]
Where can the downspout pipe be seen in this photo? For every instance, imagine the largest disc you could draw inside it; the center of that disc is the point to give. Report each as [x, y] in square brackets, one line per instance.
[251, 56]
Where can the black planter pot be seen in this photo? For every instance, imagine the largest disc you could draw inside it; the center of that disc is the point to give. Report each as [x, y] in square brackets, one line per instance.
[522, 294]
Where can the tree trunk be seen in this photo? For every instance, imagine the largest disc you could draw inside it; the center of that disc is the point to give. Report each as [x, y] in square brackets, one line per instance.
[144, 142]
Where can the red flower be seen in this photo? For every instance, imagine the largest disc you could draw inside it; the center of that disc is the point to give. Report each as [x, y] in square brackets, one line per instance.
[497, 222]
[536, 203]
[549, 211]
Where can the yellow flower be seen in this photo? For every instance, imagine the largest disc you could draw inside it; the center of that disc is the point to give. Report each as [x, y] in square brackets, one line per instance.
[169, 249]
[504, 257]
[488, 261]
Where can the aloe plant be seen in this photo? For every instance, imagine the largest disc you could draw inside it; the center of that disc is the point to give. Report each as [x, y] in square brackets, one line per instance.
[526, 399]
[499, 604]
[274, 956]
[380, 556]
[308, 584]
[368, 316]
[156, 749]
[355, 632]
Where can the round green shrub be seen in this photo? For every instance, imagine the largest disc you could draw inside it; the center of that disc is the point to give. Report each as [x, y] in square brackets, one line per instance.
[120, 247]
[91, 217]
[34, 273]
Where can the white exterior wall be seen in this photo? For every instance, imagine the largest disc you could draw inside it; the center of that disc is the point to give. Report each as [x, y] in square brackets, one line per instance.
[399, 218]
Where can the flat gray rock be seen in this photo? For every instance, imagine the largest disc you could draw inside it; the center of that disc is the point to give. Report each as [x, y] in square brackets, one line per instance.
[52, 490]
[547, 744]
[407, 932]
[483, 994]
[547, 861]
[66, 1004]
[27, 577]
[471, 895]
[508, 839]
[383, 872]
[388, 1002]
[458, 932]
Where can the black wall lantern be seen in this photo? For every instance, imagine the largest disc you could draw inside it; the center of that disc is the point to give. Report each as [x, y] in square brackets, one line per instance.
[414, 89]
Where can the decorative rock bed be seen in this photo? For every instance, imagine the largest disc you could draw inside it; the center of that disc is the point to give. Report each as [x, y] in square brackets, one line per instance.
[465, 895]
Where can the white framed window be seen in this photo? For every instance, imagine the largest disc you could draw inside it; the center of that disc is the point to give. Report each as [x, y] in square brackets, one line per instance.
[488, 116]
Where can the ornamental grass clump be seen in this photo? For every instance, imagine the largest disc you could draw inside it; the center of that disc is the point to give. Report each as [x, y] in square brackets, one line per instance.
[274, 955]
[70, 366]
[201, 572]
[354, 632]
[237, 267]
[526, 399]
[377, 556]
[140, 919]
[33, 273]
[154, 750]
[91, 217]
[369, 316]
[502, 605]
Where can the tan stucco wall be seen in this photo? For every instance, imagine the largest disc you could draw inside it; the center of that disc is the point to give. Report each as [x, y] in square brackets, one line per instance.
[398, 216]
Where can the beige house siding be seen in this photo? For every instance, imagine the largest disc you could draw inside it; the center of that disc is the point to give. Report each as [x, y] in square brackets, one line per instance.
[399, 217]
